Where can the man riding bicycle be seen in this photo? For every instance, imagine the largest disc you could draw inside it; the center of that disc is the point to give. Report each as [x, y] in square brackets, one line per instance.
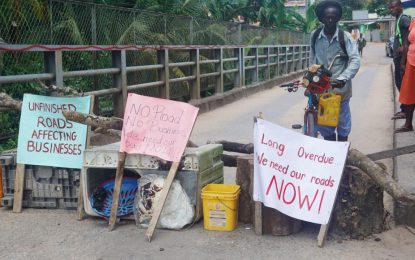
[325, 45]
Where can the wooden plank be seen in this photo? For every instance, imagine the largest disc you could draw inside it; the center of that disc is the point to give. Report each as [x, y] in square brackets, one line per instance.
[258, 218]
[18, 188]
[392, 153]
[321, 238]
[117, 188]
[80, 210]
[258, 204]
[158, 207]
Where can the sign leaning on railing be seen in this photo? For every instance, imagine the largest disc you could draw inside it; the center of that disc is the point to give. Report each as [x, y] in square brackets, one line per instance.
[157, 127]
[46, 137]
[296, 174]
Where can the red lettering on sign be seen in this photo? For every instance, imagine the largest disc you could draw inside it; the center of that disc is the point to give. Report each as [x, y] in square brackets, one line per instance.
[285, 190]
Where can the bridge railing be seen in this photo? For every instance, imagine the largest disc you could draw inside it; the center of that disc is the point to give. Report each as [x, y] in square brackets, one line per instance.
[185, 73]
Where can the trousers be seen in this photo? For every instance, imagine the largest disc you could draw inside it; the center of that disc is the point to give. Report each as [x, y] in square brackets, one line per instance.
[345, 122]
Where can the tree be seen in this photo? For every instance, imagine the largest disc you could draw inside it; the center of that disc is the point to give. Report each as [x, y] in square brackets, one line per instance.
[350, 5]
[379, 6]
[272, 13]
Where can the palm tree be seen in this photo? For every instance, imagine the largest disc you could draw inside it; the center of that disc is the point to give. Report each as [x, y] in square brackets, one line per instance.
[177, 7]
[295, 21]
[272, 13]
[227, 10]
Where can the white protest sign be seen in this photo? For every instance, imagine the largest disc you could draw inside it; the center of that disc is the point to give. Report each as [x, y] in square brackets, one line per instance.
[296, 174]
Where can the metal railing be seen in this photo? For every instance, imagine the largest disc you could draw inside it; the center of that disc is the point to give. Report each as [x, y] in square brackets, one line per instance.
[219, 69]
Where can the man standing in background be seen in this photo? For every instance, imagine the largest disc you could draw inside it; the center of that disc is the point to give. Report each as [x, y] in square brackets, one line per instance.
[361, 43]
[401, 37]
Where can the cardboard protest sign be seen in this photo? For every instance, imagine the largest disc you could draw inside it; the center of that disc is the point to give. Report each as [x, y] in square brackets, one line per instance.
[157, 127]
[46, 137]
[296, 174]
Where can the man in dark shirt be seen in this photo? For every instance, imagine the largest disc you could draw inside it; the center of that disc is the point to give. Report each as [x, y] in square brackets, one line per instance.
[361, 43]
[401, 37]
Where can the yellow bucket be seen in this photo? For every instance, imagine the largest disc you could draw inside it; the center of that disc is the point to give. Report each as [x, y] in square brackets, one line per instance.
[329, 109]
[220, 206]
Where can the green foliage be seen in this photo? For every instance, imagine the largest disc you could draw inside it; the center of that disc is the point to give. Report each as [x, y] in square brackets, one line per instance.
[227, 10]
[9, 126]
[272, 13]
[8, 144]
[66, 22]
[379, 6]
[177, 7]
[311, 21]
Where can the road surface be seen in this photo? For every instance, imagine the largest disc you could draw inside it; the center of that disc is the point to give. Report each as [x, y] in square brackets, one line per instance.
[55, 234]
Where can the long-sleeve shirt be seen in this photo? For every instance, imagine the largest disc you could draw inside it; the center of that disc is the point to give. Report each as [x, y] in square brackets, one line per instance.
[343, 68]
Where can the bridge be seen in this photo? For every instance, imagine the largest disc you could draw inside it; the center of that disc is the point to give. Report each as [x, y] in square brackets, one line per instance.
[210, 70]
[372, 106]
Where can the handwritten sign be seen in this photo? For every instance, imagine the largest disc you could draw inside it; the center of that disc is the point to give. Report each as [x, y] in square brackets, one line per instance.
[157, 127]
[296, 174]
[46, 137]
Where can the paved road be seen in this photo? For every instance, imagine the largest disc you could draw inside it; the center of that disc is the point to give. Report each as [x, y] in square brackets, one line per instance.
[371, 106]
[55, 234]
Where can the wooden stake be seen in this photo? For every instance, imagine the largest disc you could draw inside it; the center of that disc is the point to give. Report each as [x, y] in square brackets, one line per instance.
[18, 188]
[258, 218]
[322, 234]
[258, 204]
[158, 207]
[117, 187]
[80, 210]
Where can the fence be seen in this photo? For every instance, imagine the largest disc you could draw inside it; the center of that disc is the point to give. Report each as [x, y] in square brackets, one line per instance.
[75, 49]
[185, 73]
[69, 22]
[203, 70]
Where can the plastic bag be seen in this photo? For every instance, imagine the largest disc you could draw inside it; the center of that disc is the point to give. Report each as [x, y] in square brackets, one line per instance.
[177, 212]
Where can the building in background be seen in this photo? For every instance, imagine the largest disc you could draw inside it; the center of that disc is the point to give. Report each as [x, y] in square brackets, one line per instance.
[374, 28]
[300, 5]
[409, 7]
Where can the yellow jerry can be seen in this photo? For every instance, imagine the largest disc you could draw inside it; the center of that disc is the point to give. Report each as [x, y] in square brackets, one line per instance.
[329, 109]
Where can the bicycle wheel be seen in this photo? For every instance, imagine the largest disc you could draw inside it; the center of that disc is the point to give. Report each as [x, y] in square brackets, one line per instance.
[309, 124]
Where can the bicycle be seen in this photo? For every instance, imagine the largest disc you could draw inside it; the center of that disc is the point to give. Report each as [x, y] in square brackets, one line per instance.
[319, 85]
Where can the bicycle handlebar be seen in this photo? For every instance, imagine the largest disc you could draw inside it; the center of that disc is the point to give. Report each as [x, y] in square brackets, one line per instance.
[292, 86]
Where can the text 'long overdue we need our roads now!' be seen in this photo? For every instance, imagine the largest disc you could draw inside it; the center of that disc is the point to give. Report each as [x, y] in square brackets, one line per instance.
[296, 174]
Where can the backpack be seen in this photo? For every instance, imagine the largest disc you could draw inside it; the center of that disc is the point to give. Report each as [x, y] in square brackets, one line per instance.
[341, 40]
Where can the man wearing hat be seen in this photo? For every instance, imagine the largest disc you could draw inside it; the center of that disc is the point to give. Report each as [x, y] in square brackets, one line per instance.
[326, 44]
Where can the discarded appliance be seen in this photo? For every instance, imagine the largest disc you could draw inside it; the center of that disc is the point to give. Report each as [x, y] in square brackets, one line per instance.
[202, 165]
